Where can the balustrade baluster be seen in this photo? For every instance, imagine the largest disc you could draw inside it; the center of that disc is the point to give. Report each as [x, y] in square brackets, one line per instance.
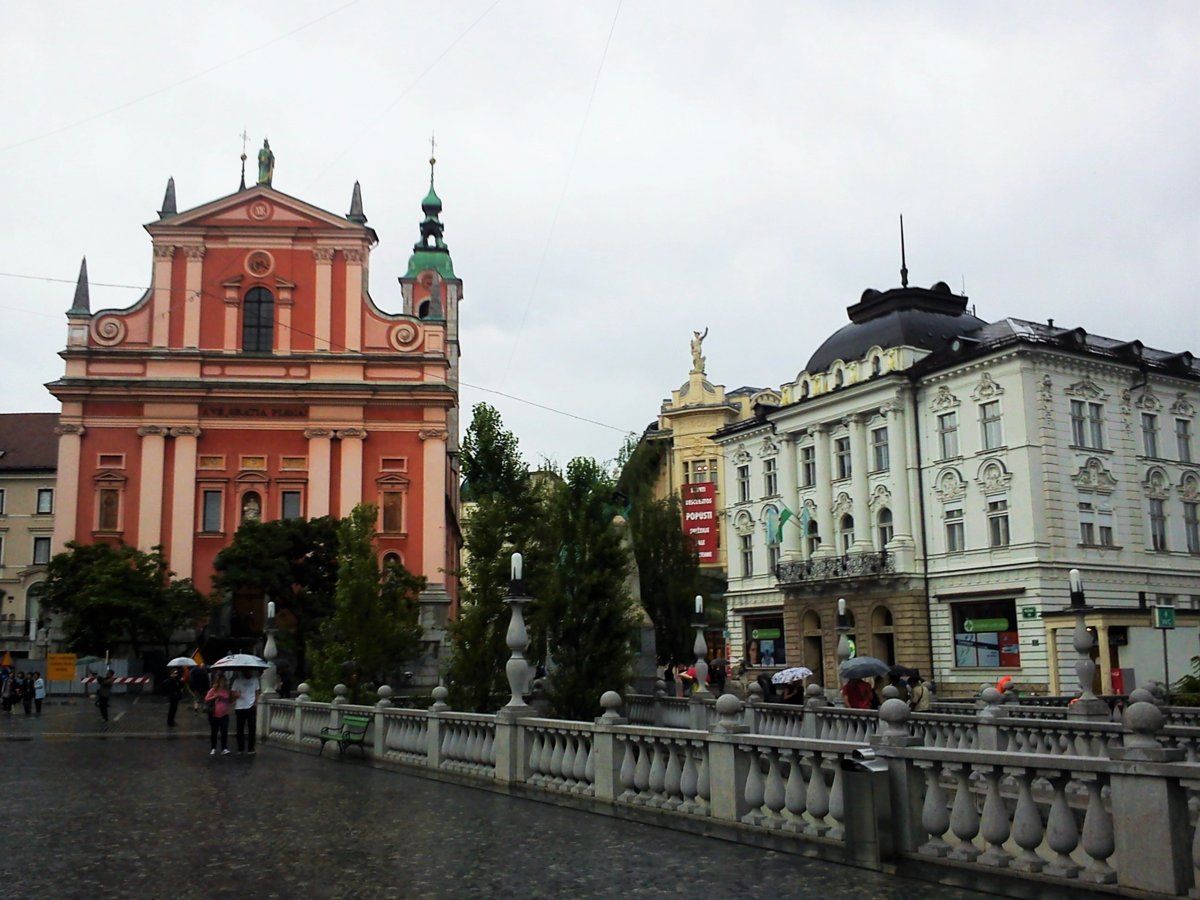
[489, 748]
[556, 759]
[754, 791]
[658, 775]
[964, 816]
[817, 798]
[1062, 832]
[579, 773]
[536, 739]
[628, 766]
[689, 779]
[1027, 830]
[773, 791]
[641, 775]
[589, 769]
[1193, 804]
[995, 826]
[447, 743]
[1098, 840]
[793, 794]
[935, 811]
[837, 804]
[568, 761]
[673, 776]
[702, 787]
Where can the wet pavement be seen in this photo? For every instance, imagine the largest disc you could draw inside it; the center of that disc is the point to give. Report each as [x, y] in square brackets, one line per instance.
[134, 809]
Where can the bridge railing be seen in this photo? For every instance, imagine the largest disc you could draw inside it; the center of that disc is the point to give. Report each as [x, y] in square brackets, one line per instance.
[1068, 803]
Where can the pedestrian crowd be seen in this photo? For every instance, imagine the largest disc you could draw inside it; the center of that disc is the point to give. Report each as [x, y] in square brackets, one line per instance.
[26, 690]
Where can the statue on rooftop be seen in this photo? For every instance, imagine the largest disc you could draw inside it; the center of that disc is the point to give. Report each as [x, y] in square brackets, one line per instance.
[266, 164]
[697, 359]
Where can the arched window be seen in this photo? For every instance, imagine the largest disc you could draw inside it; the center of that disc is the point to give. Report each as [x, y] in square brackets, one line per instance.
[847, 532]
[876, 365]
[814, 538]
[804, 390]
[839, 378]
[258, 321]
[886, 529]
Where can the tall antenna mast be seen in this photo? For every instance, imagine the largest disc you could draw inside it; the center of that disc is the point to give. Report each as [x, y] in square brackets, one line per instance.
[903, 262]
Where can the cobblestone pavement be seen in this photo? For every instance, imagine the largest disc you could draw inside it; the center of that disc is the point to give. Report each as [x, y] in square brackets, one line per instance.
[90, 812]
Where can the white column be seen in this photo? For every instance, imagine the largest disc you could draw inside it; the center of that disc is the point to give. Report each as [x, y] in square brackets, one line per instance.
[323, 302]
[183, 500]
[150, 486]
[860, 488]
[160, 305]
[320, 472]
[66, 506]
[894, 410]
[790, 549]
[433, 512]
[350, 482]
[824, 490]
[192, 295]
[355, 257]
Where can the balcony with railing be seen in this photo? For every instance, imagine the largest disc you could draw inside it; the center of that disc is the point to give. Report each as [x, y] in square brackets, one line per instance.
[832, 568]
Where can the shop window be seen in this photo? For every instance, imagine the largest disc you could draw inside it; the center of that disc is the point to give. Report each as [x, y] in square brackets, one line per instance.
[765, 641]
[985, 635]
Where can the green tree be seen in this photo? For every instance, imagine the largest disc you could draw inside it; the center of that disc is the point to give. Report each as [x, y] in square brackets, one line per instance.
[115, 595]
[497, 486]
[588, 615]
[374, 628]
[293, 562]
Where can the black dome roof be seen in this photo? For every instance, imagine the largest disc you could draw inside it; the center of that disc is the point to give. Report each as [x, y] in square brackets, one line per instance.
[927, 318]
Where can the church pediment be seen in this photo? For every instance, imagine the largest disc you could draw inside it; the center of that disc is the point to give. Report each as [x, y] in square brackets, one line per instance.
[256, 207]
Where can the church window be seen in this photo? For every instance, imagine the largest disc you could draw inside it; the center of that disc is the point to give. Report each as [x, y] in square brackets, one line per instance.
[108, 516]
[393, 512]
[258, 321]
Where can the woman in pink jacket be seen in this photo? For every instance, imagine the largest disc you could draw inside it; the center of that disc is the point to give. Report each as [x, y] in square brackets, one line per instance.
[219, 700]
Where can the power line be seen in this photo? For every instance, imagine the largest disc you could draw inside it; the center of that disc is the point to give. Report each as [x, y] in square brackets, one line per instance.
[300, 331]
[180, 83]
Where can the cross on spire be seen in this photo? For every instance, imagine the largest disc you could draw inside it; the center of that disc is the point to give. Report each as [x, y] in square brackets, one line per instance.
[245, 137]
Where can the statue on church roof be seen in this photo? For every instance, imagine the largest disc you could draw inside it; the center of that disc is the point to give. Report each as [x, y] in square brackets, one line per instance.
[266, 164]
[697, 359]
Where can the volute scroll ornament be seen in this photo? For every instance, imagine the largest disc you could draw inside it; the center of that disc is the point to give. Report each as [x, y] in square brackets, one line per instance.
[433, 434]
[70, 428]
[311, 433]
[108, 331]
[185, 431]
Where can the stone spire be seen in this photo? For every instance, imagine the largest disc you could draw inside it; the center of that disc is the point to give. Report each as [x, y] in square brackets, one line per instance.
[82, 303]
[168, 206]
[356, 208]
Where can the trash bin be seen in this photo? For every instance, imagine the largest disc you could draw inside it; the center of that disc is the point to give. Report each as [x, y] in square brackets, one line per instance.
[869, 833]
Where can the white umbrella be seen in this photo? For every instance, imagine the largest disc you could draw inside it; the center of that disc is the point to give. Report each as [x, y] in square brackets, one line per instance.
[787, 676]
[240, 661]
[182, 661]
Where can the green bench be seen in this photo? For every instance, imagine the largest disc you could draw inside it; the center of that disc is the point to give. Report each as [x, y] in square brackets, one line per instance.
[351, 733]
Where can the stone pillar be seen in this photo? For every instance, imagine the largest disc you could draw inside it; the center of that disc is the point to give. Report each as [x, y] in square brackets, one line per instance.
[791, 550]
[433, 506]
[233, 304]
[192, 295]
[355, 257]
[160, 305]
[150, 486]
[607, 782]
[860, 484]
[66, 507]
[320, 471]
[323, 302]
[727, 773]
[183, 499]
[906, 786]
[898, 473]
[283, 312]
[350, 482]
[824, 489]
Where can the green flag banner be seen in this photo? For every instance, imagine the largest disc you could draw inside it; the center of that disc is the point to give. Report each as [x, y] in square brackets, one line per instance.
[784, 516]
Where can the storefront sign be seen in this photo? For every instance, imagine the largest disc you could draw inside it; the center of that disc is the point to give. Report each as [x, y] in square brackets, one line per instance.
[1164, 617]
[770, 633]
[700, 520]
[980, 626]
[1030, 612]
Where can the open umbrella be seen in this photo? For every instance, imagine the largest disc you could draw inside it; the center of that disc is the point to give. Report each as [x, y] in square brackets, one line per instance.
[788, 676]
[240, 661]
[901, 671]
[184, 662]
[863, 667]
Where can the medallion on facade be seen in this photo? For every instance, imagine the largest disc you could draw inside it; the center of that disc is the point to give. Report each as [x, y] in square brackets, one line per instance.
[260, 210]
[993, 478]
[260, 263]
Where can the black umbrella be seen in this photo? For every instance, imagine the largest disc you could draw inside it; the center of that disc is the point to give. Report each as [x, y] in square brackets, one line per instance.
[863, 667]
[902, 671]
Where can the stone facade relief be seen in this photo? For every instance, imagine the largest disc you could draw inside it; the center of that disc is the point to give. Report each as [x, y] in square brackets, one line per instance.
[1092, 476]
[986, 389]
[943, 400]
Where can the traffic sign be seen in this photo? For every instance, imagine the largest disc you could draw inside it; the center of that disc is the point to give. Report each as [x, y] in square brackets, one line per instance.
[1164, 617]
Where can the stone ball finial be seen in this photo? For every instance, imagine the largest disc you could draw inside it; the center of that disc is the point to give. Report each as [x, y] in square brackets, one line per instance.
[729, 715]
[440, 693]
[302, 691]
[893, 716]
[1157, 691]
[754, 693]
[611, 702]
[1145, 720]
[891, 692]
[385, 696]
[660, 688]
[729, 705]
[814, 690]
[339, 693]
[992, 699]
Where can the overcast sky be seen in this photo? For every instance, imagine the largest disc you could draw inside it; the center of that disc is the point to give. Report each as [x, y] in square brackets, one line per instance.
[616, 175]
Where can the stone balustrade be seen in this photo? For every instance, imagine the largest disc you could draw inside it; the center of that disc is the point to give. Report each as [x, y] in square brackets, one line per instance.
[1075, 804]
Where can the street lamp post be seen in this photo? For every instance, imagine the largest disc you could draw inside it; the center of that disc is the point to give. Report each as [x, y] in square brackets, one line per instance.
[1088, 705]
[517, 669]
[700, 646]
[843, 630]
[270, 651]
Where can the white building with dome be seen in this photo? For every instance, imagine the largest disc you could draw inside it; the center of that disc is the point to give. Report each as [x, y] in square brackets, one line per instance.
[943, 475]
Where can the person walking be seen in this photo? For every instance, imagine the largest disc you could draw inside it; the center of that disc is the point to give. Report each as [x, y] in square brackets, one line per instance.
[104, 691]
[24, 692]
[174, 695]
[39, 691]
[245, 689]
[920, 698]
[7, 684]
[217, 700]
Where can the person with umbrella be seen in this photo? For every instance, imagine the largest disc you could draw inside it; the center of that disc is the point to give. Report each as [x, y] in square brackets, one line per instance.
[104, 686]
[174, 695]
[246, 690]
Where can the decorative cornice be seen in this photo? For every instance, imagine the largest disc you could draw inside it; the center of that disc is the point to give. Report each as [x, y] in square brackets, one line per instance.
[323, 254]
[194, 251]
[351, 433]
[1087, 389]
[354, 254]
[1147, 400]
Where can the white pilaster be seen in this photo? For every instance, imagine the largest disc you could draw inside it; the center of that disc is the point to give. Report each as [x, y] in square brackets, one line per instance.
[150, 486]
[183, 502]
[70, 442]
[320, 470]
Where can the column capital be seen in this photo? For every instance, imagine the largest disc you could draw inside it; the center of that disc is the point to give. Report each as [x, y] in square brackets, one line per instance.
[438, 434]
[164, 251]
[194, 251]
[156, 430]
[69, 428]
[323, 254]
[354, 254]
[311, 433]
[821, 428]
[185, 431]
[351, 433]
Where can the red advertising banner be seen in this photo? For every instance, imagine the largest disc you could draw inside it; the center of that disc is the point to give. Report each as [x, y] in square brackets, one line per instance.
[700, 520]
